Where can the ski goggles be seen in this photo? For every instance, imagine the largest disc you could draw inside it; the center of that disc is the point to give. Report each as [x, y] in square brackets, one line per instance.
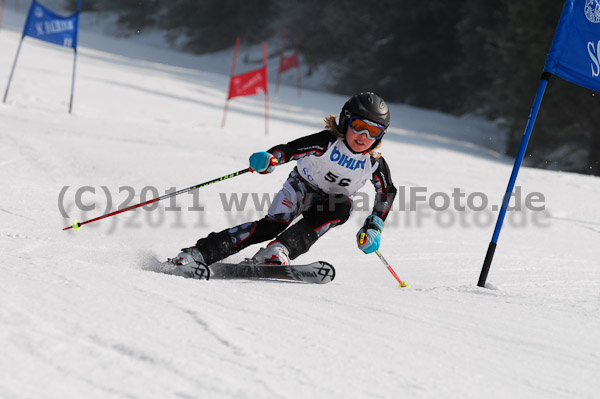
[363, 126]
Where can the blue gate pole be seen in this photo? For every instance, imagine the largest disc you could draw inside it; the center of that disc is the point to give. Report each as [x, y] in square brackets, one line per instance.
[75, 54]
[513, 177]
[73, 80]
[12, 71]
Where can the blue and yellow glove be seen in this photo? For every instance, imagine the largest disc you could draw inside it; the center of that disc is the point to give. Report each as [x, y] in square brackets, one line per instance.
[262, 162]
[368, 237]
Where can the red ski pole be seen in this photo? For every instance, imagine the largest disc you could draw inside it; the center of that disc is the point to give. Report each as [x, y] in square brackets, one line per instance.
[76, 225]
[385, 262]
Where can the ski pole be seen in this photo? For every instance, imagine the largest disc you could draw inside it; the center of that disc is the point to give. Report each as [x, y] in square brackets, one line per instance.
[76, 225]
[385, 262]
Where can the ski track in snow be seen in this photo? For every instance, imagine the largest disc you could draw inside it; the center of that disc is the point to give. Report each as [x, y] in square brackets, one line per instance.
[88, 314]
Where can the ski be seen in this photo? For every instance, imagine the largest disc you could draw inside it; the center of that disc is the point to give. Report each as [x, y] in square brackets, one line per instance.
[314, 273]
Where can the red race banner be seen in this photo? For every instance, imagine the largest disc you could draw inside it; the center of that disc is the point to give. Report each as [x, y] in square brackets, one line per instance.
[249, 83]
[287, 63]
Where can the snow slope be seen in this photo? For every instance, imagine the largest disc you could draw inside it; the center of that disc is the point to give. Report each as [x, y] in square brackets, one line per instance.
[80, 317]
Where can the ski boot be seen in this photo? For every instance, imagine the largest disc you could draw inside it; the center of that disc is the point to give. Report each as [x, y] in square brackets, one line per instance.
[190, 263]
[274, 254]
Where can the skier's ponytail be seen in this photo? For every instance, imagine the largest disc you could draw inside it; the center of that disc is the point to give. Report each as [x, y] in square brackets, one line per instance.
[332, 126]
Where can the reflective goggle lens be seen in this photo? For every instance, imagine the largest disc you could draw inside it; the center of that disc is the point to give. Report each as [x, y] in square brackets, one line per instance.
[371, 129]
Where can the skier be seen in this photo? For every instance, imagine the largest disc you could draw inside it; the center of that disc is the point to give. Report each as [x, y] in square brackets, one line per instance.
[332, 166]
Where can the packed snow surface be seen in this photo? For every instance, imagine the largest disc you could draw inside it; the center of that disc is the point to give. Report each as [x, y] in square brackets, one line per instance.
[81, 315]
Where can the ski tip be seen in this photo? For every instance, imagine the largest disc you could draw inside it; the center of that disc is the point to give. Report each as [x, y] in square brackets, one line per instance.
[76, 224]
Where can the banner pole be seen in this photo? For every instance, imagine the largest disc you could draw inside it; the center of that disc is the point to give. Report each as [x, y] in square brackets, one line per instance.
[75, 55]
[12, 71]
[298, 74]
[513, 177]
[2, 7]
[278, 78]
[280, 60]
[73, 80]
[225, 108]
[266, 89]
[235, 55]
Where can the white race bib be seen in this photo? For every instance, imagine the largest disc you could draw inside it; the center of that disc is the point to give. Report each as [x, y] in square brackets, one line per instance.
[338, 171]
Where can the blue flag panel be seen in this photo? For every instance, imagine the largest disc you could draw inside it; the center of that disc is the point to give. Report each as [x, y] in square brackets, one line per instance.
[575, 51]
[43, 24]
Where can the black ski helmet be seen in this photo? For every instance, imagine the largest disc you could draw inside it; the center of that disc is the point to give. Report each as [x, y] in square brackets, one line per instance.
[366, 105]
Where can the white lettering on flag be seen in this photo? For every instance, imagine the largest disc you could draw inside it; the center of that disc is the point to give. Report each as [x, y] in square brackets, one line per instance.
[54, 26]
[58, 26]
[594, 51]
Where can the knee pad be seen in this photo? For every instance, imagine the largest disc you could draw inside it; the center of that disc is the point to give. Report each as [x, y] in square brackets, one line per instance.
[216, 246]
[298, 239]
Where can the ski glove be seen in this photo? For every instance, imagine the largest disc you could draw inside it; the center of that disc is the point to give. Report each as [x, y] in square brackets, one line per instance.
[368, 237]
[262, 162]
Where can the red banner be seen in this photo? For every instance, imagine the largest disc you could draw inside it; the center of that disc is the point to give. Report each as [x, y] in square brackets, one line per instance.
[287, 63]
[249, 83]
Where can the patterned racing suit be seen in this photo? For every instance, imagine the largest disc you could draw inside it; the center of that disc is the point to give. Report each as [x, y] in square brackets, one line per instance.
[320, 188]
